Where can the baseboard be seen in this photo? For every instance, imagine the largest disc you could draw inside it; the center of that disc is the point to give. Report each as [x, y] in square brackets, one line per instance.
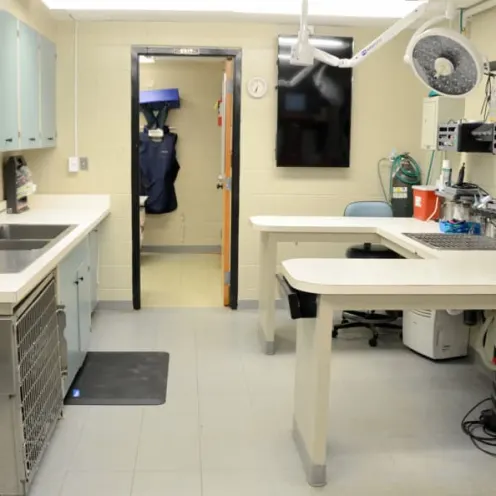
[114, 305]
[253, 305]
[191, 249]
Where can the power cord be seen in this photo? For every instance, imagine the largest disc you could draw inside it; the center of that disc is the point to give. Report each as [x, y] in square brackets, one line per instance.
[477, 430]
[488, 95]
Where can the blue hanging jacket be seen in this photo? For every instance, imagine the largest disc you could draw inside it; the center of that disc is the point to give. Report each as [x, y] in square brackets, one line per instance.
[159, 169]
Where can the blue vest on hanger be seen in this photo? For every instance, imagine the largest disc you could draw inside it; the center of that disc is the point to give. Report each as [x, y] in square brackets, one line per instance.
[159, 169]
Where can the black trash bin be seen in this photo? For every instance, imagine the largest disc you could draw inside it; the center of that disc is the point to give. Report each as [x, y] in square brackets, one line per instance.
[302, 305]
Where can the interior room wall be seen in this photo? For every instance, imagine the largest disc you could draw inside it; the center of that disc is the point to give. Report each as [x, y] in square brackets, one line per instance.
[481, 168]
[34, 13]
[198, 219]
[386, 114]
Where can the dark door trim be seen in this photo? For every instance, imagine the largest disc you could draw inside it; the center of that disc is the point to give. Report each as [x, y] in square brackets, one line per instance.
[176, 51]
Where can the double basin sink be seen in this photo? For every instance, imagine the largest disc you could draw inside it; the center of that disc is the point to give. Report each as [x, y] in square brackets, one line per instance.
[22, 244]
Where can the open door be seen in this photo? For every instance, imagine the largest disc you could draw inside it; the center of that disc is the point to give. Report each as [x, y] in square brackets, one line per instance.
[226, 174]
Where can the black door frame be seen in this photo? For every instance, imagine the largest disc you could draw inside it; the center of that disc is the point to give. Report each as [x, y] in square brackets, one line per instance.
[176, 51]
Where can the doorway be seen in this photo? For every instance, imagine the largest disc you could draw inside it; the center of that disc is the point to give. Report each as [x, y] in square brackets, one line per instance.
[189, 257]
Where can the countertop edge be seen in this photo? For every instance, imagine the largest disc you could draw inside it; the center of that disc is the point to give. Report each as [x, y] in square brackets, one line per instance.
[54, 255]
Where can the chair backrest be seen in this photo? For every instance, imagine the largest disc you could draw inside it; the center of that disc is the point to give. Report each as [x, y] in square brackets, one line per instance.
[368, 209]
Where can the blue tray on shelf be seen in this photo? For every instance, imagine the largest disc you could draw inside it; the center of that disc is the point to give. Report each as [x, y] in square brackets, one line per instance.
[157, 98]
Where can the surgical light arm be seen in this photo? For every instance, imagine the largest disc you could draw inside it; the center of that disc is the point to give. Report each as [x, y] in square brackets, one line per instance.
[305, 54]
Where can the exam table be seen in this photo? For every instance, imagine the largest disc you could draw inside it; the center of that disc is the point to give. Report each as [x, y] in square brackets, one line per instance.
[373, 284]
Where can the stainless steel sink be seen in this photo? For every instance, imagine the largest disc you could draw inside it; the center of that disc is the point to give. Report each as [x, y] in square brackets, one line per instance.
[31, 231]
[22, 244]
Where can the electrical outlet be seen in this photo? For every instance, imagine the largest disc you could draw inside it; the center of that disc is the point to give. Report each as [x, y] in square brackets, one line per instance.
[73, 164]
[83, 163]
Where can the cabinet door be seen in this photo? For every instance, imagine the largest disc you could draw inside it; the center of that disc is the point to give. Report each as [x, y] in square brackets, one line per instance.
[48, 63]
[84, 306]
[29, 92]
[69, 299]
[9, 120]
[94, 260]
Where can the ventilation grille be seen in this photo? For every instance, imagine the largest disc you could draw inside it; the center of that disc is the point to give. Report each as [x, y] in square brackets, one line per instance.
[423, 313]
[39, 374]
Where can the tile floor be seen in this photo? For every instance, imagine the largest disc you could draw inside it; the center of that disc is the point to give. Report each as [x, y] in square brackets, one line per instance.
[225, 429]
[181, 280]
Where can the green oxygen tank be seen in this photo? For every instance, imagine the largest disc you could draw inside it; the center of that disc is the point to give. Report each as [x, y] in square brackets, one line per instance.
[404, 175]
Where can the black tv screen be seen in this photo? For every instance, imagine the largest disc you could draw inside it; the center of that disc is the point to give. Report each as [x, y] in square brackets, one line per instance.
[314, 107]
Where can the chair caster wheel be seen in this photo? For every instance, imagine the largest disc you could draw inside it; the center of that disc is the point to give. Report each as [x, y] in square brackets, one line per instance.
[334, 334]
[373, 342]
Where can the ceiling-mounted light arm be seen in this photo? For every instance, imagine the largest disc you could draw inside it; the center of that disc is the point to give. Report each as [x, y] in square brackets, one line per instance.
[305, 54]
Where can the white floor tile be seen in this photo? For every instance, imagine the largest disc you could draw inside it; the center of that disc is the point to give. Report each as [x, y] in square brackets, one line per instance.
[159, 421]
[236, 482]
[106, 451]
[225, 413]
[167, 483]
[97, 484]
[169, 451]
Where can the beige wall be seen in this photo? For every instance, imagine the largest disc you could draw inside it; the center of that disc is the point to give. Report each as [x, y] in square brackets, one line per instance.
[481, 168]
[34, 13]
[386, 114]
[198, 219]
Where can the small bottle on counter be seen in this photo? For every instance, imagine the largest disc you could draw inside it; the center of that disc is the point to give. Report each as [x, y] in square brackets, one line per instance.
[446, 173]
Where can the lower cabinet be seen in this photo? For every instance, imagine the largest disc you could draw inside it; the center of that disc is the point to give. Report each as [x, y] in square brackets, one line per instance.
[74, 281]
[94, 262]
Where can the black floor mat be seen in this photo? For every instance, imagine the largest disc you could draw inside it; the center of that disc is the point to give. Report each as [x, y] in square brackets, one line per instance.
[121, 378]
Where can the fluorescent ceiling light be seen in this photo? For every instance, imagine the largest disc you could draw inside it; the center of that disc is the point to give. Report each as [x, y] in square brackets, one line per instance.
[338, 8]
[145, 59]
[317, 42]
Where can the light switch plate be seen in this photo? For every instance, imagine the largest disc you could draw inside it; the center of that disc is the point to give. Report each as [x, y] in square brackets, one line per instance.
[73, 164]
[83, 163]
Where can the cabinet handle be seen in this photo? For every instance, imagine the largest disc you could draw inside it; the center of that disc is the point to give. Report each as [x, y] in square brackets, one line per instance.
[32, 139]
[81, 278]
[50, 139]
[9, 140]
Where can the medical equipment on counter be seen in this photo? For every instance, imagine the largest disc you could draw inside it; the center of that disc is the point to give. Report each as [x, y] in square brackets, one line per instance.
[470, 137]
[444, 60]
[435, 334]
[446, 173]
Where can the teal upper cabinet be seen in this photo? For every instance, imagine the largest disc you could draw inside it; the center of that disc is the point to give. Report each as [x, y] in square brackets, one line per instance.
[29, 89]
[9, 120]
[48, 73]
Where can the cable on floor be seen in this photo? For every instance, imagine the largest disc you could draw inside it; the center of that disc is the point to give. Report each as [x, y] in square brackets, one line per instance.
[482, 438]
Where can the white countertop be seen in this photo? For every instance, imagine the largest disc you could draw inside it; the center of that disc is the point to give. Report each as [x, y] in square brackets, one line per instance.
[84, 211]
[388, 228]
[441, 271]
[387, 277]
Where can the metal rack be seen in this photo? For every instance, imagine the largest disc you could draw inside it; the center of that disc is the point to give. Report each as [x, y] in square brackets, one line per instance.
[462, 242]
[31, 398]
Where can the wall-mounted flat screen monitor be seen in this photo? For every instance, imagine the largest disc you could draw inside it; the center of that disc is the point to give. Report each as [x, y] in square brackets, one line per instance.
[314, 107]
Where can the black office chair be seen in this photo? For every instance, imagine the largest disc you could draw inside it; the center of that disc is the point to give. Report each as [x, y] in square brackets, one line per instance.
[370, 320]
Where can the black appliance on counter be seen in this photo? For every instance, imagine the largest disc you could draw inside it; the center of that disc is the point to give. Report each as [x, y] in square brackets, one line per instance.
[17, 184]
[469, 137]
